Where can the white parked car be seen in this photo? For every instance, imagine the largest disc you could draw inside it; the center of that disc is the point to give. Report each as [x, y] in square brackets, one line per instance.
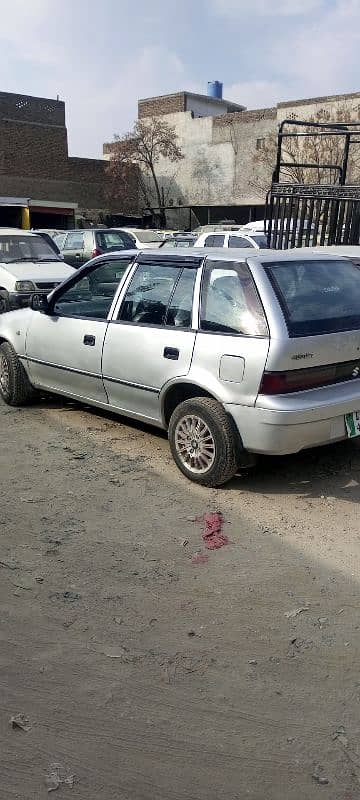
[144, 238]
[27, 265]
[232, 239]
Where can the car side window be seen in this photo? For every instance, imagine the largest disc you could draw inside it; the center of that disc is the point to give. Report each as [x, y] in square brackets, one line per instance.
[238, 241]
[91, 296]
[179, 313]
[112, 240]
[215, 240]
[148, 294]
[74, 241]
[230, 302]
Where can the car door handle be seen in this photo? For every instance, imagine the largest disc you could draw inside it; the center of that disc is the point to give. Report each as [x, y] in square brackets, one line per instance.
[89, 340]
[172, 353]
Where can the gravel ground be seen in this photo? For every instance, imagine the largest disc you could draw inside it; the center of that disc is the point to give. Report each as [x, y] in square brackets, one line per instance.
[146, 676]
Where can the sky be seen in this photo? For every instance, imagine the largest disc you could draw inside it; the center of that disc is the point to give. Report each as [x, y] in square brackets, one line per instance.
[101, 57]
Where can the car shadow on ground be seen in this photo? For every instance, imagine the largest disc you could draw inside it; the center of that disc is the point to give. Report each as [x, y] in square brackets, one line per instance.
[322, 471]
[331, 470]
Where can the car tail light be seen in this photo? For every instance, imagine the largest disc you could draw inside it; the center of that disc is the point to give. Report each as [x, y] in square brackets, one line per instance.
[96, 252]
[298, 380]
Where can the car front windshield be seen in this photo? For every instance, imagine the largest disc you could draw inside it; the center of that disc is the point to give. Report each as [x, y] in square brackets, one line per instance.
[18, 247]
[148, 236]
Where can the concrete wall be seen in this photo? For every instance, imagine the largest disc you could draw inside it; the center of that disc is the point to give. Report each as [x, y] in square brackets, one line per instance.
[221, 164]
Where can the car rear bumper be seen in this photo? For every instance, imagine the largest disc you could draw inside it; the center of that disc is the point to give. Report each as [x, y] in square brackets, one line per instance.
[289, 429]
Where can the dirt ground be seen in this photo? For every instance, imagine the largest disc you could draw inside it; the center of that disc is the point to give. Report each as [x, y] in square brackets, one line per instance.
[146, 676]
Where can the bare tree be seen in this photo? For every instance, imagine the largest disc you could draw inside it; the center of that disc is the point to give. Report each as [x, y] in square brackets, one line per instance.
[136, 157]
[122, 190]
[317, 150]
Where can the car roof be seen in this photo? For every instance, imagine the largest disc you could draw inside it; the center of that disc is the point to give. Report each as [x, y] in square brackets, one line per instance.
[193, 254]
[86, 230]
[338, 249]
[11, 231]
[235, 232]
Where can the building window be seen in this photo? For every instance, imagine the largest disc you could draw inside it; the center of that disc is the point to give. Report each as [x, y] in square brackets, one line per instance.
[260, 144]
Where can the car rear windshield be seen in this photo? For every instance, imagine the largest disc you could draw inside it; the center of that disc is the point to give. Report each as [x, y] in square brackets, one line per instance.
[317, 296]
[18, 247]
[146, 237]
[114, 240]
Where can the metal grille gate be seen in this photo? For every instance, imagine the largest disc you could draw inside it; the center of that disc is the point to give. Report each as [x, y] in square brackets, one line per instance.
[306, 215]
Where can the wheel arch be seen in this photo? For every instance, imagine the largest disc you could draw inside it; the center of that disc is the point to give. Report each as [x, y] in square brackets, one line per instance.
[176, 393]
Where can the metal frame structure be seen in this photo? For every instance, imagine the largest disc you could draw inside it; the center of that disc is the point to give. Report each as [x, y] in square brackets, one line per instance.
[298, 215]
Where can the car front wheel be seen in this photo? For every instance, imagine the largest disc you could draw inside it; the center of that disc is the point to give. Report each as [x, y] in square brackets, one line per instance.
[202, 441]
[15, 387]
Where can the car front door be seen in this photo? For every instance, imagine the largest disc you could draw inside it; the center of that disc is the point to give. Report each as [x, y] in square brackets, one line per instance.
[74, 249]
[64, 347]
[152, 340]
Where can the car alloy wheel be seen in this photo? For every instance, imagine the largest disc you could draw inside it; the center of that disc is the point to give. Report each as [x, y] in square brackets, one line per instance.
[195, 444]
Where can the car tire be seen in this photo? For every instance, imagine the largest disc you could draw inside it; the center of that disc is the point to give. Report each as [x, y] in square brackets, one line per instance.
[203, 441]
[4, 302]
[15, 387]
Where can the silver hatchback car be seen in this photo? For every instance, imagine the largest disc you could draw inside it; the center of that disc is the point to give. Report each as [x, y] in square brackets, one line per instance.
[234, 353]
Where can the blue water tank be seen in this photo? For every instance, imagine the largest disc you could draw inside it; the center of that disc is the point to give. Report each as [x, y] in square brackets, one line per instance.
[215, 89]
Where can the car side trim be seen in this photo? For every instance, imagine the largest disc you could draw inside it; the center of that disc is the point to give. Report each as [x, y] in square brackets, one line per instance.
[91, 374]
[132, 385]
[61, 366]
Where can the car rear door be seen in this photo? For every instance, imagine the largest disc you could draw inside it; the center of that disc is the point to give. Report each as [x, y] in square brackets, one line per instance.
[74, 248]
[151, 339]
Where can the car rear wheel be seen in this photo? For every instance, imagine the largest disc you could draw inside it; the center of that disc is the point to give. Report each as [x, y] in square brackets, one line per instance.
[202, 441]
[15, 387]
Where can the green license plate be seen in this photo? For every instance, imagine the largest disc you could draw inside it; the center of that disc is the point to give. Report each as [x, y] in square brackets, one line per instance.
[352, 424]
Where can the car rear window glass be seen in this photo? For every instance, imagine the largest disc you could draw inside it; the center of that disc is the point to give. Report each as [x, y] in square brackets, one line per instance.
[230, 302]
[114, 240]
[215, 240]
[74, 241]
[317, 296]
[148, 236]
[239, 241]
[148, 294]
[179, 311]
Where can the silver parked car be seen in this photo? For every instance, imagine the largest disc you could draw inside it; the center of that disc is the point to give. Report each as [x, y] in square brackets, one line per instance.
[233, 353]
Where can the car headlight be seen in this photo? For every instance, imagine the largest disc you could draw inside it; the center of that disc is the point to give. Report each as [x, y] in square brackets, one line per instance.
[25, 286]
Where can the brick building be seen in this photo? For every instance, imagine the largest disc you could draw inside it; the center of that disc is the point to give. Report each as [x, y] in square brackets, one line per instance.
[40, 185]
[220, 176]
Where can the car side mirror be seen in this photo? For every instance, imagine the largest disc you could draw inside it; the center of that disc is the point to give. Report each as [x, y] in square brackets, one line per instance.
[39, 302]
